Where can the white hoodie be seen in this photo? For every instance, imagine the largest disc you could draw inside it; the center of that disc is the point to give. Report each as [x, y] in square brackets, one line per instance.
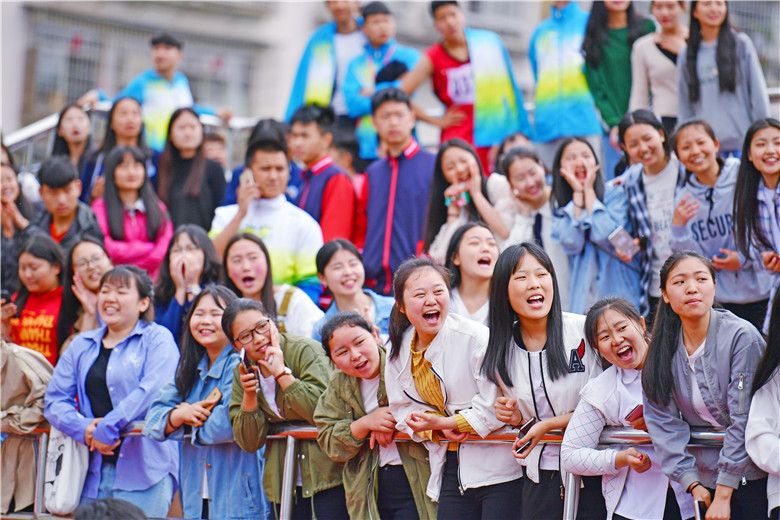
[762, 435]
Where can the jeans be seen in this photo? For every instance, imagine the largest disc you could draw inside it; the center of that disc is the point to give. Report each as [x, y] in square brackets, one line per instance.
[154, 501]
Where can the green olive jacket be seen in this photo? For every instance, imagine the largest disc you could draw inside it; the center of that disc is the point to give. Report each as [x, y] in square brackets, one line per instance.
[339, 406]
[311, 370]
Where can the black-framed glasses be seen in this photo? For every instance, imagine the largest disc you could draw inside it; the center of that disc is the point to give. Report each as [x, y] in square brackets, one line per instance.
[84, 263]
[261, 328]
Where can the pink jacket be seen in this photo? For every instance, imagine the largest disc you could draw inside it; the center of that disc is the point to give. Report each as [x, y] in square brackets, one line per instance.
[136, 248]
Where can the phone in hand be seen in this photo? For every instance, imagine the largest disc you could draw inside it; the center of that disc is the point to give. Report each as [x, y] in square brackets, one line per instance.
[5, 295]
[636, 413]
[699, 510]
[246, 177]
[524, 429]
[247, 363]
[623, 242]
[212, 399]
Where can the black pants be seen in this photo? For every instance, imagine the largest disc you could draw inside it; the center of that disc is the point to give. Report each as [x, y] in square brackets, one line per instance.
[396, 501]
[754, 312]
[498, 501]
[671, 509]
[775, 514]
[544, 501]
[748, 502]
[330, 504]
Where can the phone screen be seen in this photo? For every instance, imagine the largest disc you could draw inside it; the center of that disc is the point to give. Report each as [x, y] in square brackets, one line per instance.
[623, 241]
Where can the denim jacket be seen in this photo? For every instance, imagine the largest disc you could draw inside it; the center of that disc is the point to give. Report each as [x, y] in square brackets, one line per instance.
[724, 374]
[211, 448]
[594, 264]
[138, 367]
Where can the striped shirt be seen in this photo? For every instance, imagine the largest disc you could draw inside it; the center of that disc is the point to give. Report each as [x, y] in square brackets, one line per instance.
[428, 385]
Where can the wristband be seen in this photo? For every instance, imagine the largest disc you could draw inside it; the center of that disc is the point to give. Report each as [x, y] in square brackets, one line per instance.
[285, 372]
[168, 421]
[693, 486]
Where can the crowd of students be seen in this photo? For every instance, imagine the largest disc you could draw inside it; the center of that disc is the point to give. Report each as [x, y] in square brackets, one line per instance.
[617, 268]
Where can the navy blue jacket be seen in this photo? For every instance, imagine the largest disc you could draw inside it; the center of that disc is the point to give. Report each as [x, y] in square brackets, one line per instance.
[397, 199]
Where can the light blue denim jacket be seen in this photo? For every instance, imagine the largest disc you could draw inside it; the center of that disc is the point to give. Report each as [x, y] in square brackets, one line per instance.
[724, 375]
[234, 476]
[591, 255]
[382, 307]
[138, 367]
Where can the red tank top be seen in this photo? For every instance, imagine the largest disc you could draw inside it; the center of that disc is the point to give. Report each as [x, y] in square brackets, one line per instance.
[453, 84]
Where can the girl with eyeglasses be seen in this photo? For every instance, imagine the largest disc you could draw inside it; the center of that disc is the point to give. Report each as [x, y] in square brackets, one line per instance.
[85, 265]
[286, 376]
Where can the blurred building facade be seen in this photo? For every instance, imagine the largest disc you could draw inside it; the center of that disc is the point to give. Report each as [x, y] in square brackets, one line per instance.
[240, 55]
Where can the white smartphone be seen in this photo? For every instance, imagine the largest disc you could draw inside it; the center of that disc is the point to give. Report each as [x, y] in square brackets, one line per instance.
[623, 242]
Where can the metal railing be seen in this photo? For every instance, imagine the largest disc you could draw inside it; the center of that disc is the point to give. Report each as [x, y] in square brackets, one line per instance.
[294, 432]
[31, 145]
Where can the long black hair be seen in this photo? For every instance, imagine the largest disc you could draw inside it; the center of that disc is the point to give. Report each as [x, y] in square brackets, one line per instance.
[267, 294]
[109, 141]
[71, 305]
[171, 159]
[121, 276]
[725, 56]
[60, 145]
[399, 323]
[614, 303]
[747, 227]
[642, 117]
[505, 327]
[596, 31]
[192, 351]
[155, 216]
[164, 288]
[42, 246]
[437, 211]
[342, 319]
[657, 379]
[235, 308]
[454, 247]
[770, 361]
[562, 192]
[24, 206]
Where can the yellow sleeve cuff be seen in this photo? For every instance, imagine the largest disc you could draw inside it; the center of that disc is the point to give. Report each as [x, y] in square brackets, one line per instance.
[463, 425]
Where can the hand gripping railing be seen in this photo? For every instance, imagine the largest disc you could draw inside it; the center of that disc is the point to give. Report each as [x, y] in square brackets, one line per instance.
[294, 432]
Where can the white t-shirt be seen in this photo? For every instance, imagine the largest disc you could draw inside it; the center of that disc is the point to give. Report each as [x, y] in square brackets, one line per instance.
[457, 306]
[696, 398]
[348, 47]
[268, 387]
[369, 389]
[659, 196]
[550, 455]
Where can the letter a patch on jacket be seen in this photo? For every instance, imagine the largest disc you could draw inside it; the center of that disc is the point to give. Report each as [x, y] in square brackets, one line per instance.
[575, 359]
